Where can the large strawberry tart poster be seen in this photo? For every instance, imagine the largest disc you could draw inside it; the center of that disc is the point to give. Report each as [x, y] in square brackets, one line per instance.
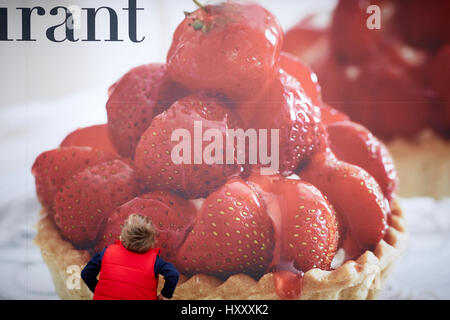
[282, 150]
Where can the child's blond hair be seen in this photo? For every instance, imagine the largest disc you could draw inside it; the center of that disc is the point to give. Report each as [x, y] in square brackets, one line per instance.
[138, 233]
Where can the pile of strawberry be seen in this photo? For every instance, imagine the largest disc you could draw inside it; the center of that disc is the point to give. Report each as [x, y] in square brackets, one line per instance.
[224, 68]
[395, 79]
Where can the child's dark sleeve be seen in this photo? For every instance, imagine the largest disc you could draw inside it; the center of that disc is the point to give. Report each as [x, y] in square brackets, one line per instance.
[90, 272]
[170, 274]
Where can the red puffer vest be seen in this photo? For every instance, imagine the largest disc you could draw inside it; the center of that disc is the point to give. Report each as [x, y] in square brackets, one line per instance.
[126, 275]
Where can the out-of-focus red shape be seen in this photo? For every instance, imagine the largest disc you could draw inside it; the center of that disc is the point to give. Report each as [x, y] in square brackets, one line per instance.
[96, 136]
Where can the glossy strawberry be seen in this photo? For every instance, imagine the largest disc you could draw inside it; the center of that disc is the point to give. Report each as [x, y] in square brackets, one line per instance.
[352, 249]
[96, 137]
[89, 197]
[171, 215]
[112, 87]
[186, 173]
[305, 224]
[231, 47]
[53, 168]
[331, 115]
[142, 93]
[309, 233]
[355, 195]
[353, 143]
[304, 75]
[232, 234]
[285, 108]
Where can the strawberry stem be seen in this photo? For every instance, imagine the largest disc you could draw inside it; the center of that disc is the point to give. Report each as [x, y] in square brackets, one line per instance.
[198, 4]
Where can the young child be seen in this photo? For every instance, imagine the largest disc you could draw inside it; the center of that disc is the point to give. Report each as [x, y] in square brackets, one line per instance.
[129, 268]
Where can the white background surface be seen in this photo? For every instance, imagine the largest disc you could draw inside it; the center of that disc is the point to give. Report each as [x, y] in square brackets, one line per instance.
[49, 89]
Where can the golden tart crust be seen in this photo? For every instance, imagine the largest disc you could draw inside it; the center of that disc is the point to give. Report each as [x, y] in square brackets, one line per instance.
[358, 279]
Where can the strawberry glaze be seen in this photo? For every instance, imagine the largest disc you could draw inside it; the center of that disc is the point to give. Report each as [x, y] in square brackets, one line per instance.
[277, 195]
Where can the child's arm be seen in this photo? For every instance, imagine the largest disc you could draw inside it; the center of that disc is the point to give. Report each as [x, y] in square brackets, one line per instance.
[92, 269]
[170, 274]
